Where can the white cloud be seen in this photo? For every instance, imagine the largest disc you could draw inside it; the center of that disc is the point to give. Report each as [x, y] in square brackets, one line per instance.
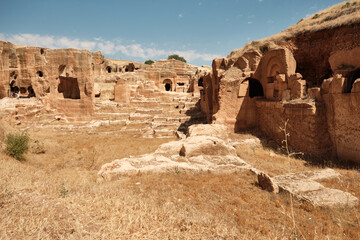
[191, 55]
[134, 49]
[260, 0]
[106, 47]
[180, 15]
[249, 22]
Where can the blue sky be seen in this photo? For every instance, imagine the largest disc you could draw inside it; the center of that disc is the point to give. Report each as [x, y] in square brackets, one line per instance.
[198, 30]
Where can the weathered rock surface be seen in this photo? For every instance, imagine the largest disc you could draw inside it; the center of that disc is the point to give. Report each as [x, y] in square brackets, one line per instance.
[267, 183]
[215, 130]
[303, 185]
[195, 153]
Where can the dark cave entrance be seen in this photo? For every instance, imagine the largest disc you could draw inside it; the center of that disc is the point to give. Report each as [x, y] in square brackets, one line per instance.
[255, 88]
[355, 75]
[167, 86]
[201, 82]
[69, 87]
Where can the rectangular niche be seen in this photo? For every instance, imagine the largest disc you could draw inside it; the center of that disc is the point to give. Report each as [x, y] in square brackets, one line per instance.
[69, 87]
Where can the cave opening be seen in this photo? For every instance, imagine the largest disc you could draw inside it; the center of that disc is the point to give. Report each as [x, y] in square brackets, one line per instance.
[31, 92]
[40, 73]
[13, 89]
[201, 82]
[355, 75]
[69, 87]
[255, 88]
[108, 69]
[167, 86]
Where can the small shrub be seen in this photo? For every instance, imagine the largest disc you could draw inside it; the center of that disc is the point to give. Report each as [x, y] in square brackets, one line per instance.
[316, 16]
[63, 191]
[177, 57]
[346, 5]
[300, 20]
[16, 145]
[149, 62]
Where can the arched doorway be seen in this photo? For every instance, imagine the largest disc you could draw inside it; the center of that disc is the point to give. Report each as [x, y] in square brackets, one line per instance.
[167, 85]
[355, 75]
[255, 88]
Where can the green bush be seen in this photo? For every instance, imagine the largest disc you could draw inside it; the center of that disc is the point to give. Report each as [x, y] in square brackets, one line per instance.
[149, 62]
[17, 144]
[177, 57]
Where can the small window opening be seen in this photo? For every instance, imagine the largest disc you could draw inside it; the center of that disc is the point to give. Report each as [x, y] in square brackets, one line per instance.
[181, 84]
[42, 51]
[40, 73]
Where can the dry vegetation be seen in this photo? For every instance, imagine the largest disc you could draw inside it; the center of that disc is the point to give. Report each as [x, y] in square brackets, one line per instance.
[342, 14]
[54, 195]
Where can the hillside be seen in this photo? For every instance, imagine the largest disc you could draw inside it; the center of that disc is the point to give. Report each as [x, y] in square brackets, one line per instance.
[342, 14]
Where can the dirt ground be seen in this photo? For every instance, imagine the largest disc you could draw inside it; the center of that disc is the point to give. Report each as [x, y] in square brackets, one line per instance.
[53, 194]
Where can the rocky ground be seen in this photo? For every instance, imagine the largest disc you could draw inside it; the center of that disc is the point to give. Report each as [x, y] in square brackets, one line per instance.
[204, 186]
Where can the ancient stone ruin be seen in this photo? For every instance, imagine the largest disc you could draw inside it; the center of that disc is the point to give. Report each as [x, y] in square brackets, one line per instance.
[77, 85]
[311, 81]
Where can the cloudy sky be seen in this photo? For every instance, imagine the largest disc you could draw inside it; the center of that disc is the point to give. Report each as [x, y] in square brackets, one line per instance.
[198, 30]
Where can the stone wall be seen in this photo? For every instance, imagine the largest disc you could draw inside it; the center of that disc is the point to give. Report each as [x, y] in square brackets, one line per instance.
[308, 133]
[343, 116]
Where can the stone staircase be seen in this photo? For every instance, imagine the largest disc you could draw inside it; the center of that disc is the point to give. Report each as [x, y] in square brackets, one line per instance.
[160, 116]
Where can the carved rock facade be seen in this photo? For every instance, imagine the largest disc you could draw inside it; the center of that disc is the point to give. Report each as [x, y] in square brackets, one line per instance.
[312, 80]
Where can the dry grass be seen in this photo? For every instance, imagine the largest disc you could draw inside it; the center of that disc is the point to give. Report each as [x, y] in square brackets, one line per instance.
[173, 205]
[342, 14]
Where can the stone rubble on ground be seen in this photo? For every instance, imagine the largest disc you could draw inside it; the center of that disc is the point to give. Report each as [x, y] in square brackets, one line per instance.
[198, 152]
[304, 186]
